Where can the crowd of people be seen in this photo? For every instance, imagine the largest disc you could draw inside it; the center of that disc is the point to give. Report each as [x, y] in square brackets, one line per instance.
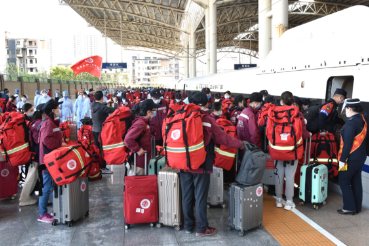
[150, 107]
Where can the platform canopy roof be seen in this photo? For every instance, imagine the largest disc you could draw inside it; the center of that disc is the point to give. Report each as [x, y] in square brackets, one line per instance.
[162, 26]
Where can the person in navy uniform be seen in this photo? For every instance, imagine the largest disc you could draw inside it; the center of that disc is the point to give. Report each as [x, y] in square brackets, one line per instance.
[352, 156]
[328, 116]
[264, 93]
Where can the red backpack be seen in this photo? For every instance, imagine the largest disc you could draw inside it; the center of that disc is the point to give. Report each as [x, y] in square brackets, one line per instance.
[284, 132]
[226, 103]
[324, 151]
[224, 156]
[14, 139]
[95, 173]
[85, 132]
[184, 138]
[64, 128]
[263, 116]
[2, 104]
[112, 136]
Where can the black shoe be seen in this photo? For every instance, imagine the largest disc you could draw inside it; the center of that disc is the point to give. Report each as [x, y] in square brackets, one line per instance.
[347, 212]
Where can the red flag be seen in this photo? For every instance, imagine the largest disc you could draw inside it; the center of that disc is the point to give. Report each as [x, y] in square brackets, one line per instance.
[90, 65]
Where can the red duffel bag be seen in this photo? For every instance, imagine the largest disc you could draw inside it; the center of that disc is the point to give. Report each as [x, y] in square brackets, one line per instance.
[64, 128]
[224, 156]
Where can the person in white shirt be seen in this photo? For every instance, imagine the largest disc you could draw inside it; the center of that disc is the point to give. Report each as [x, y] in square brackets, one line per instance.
[66, 107]
[37, 97]
[45, 98]
[21, 102]
[16, 96]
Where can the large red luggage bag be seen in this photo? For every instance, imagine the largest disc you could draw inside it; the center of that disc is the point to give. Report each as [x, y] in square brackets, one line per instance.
[8, 180]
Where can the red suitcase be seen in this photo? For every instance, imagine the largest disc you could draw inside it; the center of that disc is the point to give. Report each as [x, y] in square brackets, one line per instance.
[140, 198]
[8, 180]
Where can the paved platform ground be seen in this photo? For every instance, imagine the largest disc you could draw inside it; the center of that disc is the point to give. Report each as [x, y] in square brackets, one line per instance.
[105, 225]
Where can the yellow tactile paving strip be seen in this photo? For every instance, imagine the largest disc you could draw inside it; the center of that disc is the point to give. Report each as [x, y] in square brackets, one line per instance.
[288, 228]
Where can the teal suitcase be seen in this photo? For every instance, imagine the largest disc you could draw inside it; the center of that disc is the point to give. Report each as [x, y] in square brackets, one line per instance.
[313, 184]
[156, 164]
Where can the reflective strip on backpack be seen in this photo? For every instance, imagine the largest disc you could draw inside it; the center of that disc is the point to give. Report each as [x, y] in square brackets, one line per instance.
[91, 177]
[324, 160]
[67, 139]
[16, 149]
[113, 146]
[183, 150]
[80, 160]
[284, 147]
[222, 152]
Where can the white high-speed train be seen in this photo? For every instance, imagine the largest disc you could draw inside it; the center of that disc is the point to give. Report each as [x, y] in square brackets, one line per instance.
[311, 61]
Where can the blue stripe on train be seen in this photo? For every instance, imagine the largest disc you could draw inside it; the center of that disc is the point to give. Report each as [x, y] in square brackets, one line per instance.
[366, 168]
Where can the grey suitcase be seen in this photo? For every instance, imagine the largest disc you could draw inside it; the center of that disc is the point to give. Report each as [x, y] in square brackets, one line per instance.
[73, 129]
[245, 207]
[216, 188]
[71, 202]
[170, 198]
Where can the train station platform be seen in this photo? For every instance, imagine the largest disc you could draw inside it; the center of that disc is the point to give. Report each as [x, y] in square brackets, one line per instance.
[105, 225]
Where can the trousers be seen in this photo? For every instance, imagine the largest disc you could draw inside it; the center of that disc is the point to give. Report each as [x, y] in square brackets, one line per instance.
[195, 186]
[351, 186]
[98, 144]
[287, 171]
[46, 191]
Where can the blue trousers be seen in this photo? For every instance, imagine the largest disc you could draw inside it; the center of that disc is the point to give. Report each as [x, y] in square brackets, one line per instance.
[195, 187]
[351, 186]
[46, 191]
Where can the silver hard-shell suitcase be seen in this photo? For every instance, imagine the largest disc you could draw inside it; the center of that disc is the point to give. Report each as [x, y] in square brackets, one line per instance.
[216, 188]
[71, 202]
[245, 207]
[170, 198]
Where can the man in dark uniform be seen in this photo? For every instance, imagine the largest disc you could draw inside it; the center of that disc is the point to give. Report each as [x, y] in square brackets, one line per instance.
[208, 95]
[328, 116]
[306, 103]
[352, 156]
[264, 93]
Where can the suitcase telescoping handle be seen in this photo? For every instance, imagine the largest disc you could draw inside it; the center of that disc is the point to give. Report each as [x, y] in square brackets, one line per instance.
[70, 118]
[308, 143]
[134, 163]
[153, 147]
[237, 160]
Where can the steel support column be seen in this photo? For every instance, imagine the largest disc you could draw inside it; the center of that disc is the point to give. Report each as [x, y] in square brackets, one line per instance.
[279, 19]
[207, 40]
[213, 36]
[186, 59]
[193, 54]
[264, 30]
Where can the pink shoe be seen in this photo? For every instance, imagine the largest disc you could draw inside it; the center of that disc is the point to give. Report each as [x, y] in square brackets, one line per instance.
[46, 218]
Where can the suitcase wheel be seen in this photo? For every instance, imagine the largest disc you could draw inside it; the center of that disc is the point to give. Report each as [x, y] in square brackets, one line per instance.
[53, 223]
[70, 224]
[316, 207]
[241, 233]
[126, 226]
[152, 224]
[302, 203]
[324, 202]
[87, 214]
[261, 226]
[177, 228]
[159, 225]
[223, 206]
[229, 228]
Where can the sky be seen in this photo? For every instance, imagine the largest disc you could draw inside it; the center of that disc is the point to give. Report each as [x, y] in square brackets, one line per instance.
[49, 19]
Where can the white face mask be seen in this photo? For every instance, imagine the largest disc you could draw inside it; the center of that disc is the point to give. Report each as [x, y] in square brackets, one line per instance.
[257, 106]
[24, 99]
[178, 100]
[30, 114]
[216, 100]
[157, 101]
[79, 97]
[226, 96]
[44, 95]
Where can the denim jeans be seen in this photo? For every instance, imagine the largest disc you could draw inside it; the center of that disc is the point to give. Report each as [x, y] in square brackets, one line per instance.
[46, 191]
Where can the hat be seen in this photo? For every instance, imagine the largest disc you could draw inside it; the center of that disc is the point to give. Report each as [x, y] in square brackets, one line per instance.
[306, 101]
[238, 99]
[65, 92]
[227, 92]
[6, 91]
[155, 93]
[91, 90]
[50, 105]
[269, 99]
[148, 104]
[199, 98]
[217, 96]
[264, 92]
[178, 96]
[206, 90]
[45, 90]
[16, 91]
[38, 92]
[298, 100]
[351, 103]
[40, 107]
[341, 92]
[256, 97]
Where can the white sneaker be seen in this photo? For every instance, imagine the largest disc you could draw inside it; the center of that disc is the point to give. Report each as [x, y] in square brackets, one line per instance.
[289, 205]
[279, 203]
[106, 171]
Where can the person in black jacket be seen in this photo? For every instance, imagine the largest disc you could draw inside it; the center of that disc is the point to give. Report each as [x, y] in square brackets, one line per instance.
[99, 112]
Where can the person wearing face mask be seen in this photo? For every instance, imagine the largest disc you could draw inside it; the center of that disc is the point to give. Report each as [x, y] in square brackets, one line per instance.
[86, 111]
[6, 95]
[67, 107]
[125, 101]
[78, 109]
[138, 137]
[247, 127]
[217, 111]
[37, 97]
[235, 111]
[210, 100]
[104, 97]
[56, 95]
[264, 93]
[50, 139]
[218, 98]
[328, 115]
[227, 95]
[178, 100]
[16, 94]
[45, 98]
[161, 114]
[306, 103]
[10, 105]
[352, 156]
[28, 111]
[91, 95]
[22, 102]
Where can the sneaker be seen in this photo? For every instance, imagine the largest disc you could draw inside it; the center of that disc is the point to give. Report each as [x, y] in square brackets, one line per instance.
[289, 205]
[279, 202]
[46, 218]
[106, 171]
[27, 203]
[208, 232]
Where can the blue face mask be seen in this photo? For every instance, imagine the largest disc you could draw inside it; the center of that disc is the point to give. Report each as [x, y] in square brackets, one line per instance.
[154, 115]
[219, 114]
[208, 96]
[65, 96]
